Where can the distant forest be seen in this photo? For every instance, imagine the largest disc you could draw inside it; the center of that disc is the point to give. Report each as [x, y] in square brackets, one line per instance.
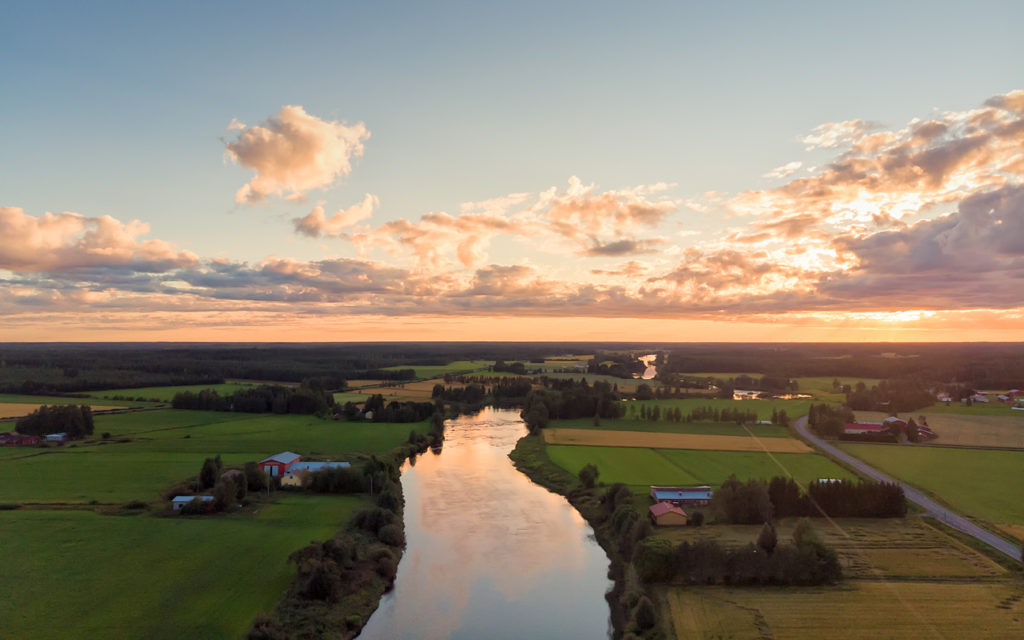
[75, 367]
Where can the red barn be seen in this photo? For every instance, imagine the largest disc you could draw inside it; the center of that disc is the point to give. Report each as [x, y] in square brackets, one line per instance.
[278, 465]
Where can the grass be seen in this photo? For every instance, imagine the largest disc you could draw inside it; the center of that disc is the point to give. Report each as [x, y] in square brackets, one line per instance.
[436, 371]
[154, 577]
[624, 384]
[18, 398]
[977, 409]
[981, 484]
[621, 464]
[714, 467]
[697, 428]
[656, 440]
[166, 394]
[644, 467]
[763, 408]
[867, 610]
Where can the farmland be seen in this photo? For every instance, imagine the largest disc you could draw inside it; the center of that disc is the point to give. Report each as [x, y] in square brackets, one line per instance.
[763, 408]
[166, 394]
[142, 575]
[861, 609]
[643, 467]
[139, 576]
[436, 371]
[607, 438]
[968, 430]
[19, 409]
[975, 482]
[704, 428]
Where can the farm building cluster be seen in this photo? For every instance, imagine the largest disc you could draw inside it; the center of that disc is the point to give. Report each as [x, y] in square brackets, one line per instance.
[15, 439]
[1013, 396]
[667, 509]
[292, 469]
[891, 426]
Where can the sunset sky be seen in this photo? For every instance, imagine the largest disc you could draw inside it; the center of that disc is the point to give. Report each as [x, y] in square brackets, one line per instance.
[520, 171]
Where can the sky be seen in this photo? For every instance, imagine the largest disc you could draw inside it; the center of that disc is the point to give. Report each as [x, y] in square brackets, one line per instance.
[678, 171]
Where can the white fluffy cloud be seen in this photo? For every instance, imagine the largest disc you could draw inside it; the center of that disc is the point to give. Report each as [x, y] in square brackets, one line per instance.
[293, 153]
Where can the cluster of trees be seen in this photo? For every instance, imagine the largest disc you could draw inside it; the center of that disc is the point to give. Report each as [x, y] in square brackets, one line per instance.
[384, 411]
[703, 414]
[308, 398]
[828, 421]
[890, 395]
[806, 561]
[617, 364]
[228, 489]
[517, 368]
[756, 501]
[566, 399]
[75, 421]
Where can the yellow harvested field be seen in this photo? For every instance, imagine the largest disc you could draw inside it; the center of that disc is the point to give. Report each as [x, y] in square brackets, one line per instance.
[603, 438]
[19, 409]
[858, 609]
[1015, 530]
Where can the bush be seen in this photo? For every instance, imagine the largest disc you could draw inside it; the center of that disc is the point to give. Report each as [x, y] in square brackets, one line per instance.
[654, 560]
[645, 618]
[392, 534]
[136, 504]
[387, 568]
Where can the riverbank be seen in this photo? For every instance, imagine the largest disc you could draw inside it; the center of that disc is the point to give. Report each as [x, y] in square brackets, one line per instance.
[530, 458]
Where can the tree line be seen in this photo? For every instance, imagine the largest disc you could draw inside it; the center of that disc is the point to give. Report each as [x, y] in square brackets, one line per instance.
[75, 421]
[306, 399]
[806, 561]
[757, 501]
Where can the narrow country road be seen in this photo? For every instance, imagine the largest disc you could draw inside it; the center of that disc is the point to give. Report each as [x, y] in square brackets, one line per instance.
[938, 511]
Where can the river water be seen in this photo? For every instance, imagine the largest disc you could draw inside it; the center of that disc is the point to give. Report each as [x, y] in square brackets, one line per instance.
[490, 554]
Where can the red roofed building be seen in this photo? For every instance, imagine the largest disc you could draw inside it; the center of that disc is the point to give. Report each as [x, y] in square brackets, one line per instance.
[278, 465]
[667, 515]
[865, 428]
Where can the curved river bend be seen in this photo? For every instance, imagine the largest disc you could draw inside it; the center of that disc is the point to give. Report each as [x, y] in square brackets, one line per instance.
[490, 554]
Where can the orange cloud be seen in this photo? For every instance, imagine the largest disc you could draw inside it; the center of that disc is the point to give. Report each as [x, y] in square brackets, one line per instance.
[293, 153]
[317, 224]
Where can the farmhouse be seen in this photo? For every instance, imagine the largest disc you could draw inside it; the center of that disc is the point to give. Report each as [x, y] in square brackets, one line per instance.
[299, 470]
[56, 437]
[278, 465]
[665, 514]
[944, 397]
[682, 496]
[177, 502]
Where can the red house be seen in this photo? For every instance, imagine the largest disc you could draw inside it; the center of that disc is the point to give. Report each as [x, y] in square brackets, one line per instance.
[278, 465]
[14, 439]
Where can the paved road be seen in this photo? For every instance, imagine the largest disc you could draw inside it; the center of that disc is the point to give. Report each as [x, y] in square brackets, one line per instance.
[935, 509]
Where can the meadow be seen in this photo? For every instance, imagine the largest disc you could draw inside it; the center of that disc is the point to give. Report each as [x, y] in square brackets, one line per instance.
[641, 468]
[167, 446]
[659, 440]
[978, 483]
[436, 371]
[697, 428]
[763, 408]
[166, 394]
[147, 577]
[127, 573]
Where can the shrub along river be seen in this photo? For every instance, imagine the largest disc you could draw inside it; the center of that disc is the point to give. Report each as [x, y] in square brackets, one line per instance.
[490, 554]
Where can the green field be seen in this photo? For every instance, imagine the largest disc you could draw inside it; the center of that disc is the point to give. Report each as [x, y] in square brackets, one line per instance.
[977, 409]
[763, 408]
[981, 484]
[85, 575]
[696, 428]
[168, 445]
[12, 398]
[643, 467]
[143, 575]
[166, 394]
[436, 371]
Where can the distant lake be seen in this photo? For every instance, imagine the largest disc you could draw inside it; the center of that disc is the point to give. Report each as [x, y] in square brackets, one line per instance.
[490, 554]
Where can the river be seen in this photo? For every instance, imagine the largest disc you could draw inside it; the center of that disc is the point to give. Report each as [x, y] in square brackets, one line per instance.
[490, 554]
